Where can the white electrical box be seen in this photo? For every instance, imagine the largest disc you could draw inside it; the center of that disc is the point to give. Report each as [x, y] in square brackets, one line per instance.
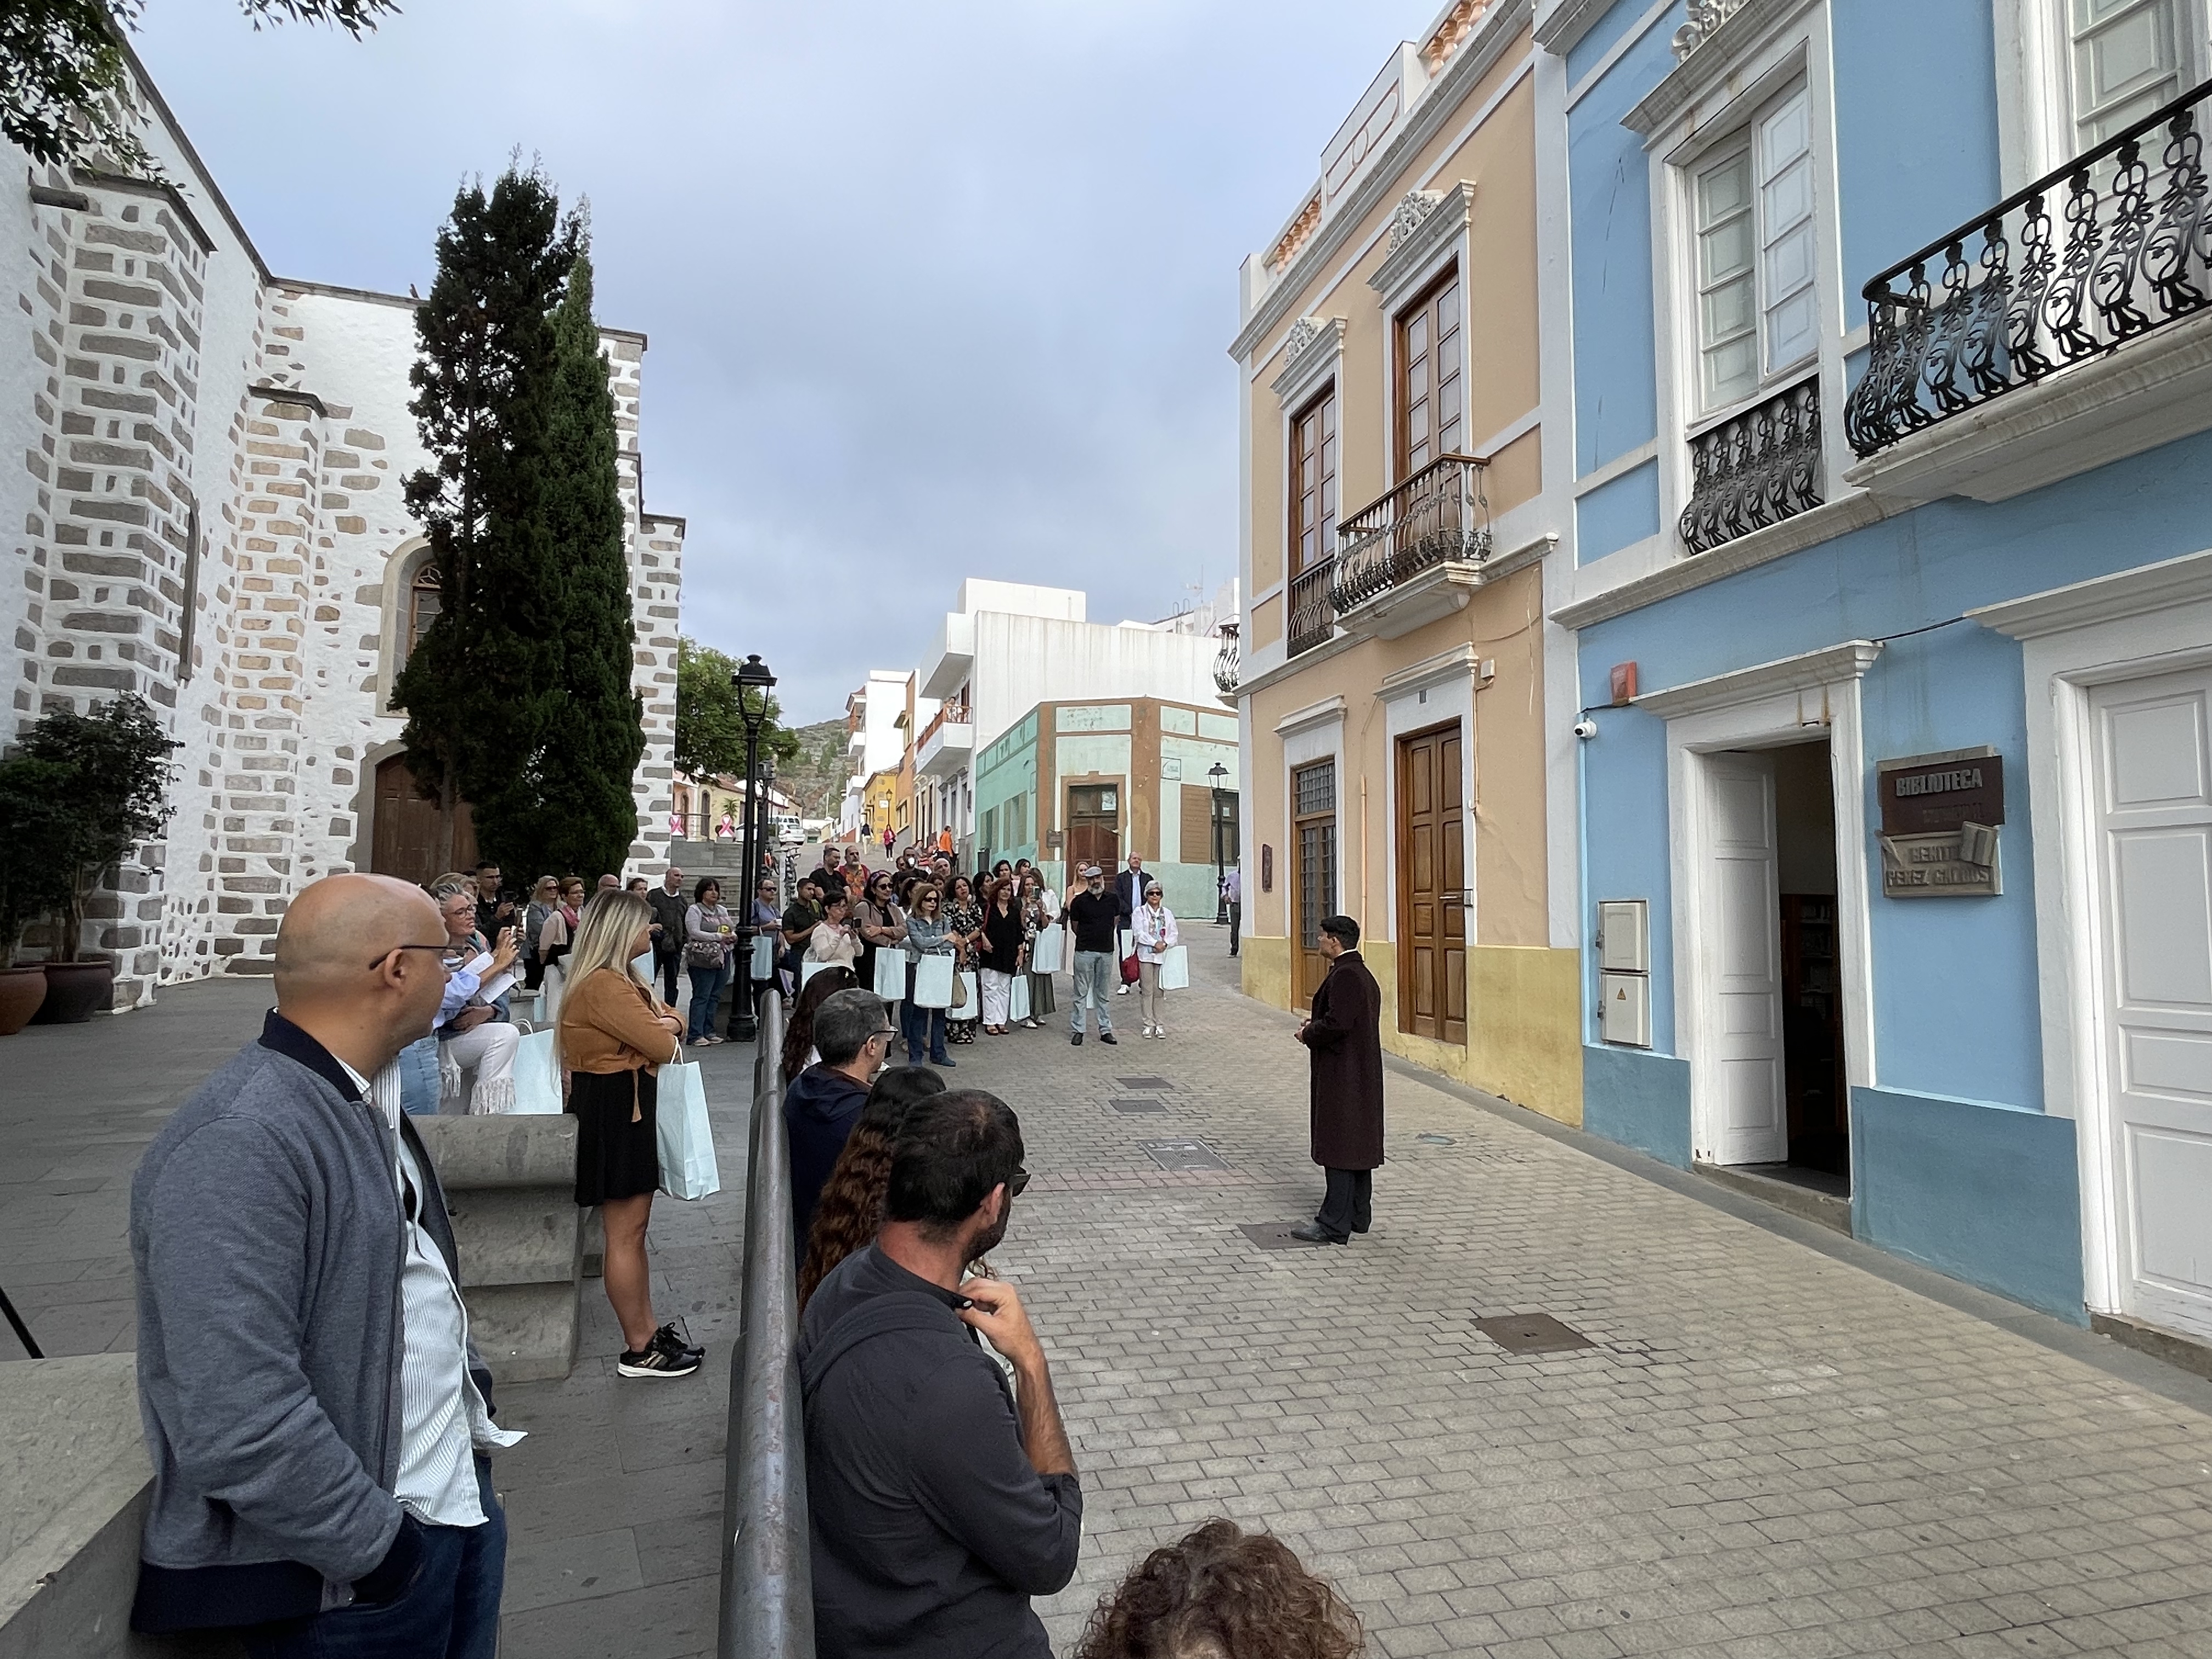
[1627, 1016]
[1624, 931]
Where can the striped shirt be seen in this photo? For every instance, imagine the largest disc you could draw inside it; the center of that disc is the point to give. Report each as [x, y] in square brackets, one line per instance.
[442, 1420]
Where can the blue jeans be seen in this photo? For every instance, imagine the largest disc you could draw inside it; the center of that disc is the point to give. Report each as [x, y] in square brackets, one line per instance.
[450, 1612]
[923, 1026]
[707, 984]
[418, 1078]
[1095, 973]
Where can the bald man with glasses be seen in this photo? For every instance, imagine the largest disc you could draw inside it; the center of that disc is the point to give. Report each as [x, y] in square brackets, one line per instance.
[319, 1424]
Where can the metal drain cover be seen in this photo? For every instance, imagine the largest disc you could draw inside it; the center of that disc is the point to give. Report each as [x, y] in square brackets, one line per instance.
[1435, 1140]
[1127, 1104]
[1532, 1334]
[1183, 1154]
[1276, 1236]
[1148, 1086]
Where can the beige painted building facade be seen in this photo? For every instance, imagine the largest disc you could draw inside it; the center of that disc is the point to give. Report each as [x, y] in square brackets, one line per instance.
[1391, 686]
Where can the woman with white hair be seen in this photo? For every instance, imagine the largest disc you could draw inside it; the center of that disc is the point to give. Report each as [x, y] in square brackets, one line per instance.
[476, 1044]
[613, 1038]
[1154, 925]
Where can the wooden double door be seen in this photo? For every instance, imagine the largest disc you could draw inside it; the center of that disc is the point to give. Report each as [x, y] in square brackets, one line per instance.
[404, 841]
[1094, 827]
[1432, 885]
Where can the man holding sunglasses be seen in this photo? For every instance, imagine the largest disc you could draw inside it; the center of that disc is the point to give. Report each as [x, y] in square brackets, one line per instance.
[318, 1421]
[939, 1499]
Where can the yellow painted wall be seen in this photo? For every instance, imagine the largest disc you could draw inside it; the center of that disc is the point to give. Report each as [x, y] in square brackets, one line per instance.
[1267, 970]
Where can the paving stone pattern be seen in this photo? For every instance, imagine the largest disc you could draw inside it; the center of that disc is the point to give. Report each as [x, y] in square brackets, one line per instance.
[1768, 1452]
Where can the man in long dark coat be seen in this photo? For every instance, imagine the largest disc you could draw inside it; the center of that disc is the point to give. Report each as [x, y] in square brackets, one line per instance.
[1344, 1038]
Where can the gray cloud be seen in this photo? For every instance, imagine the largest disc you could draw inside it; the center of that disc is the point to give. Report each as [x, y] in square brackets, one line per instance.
[933, 290]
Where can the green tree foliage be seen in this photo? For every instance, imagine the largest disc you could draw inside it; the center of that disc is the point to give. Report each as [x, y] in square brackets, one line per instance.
[35, 865]
[710, 726]
[580, 814]
[110, 772]
[481, 688]
[62, 74]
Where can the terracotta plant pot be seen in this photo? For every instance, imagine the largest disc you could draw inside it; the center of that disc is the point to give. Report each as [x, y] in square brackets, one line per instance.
[76, 990]
[22, 991]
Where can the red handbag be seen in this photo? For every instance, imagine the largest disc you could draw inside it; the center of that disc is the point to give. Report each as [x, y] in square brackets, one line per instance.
[1129, 969]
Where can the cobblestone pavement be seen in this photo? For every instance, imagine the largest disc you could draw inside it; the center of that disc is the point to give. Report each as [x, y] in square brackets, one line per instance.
[1766, 1449]
[1777, 1444]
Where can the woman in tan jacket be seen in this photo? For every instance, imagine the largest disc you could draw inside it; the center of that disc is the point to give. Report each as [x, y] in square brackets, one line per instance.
[613, 1038]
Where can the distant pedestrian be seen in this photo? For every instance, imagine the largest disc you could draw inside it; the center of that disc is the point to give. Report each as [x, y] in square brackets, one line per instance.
[835, 939]
[708, 932]
[850, 1210]
[1002, 949]
[494, 910]
[853, 1032]
[1224, 1593]
[669, 908]
[613, 1039]
[1233, 883]
[881, 922]
[545, 899]
[1040, 910]
[608, 884]
[1129, 890]
[556, 938]
[1094, 915]
[1157, 934]
[928, 934]
[1344, 1036]
[476, 1043]
[963, 913]
[317, 1421]
[939, 1499]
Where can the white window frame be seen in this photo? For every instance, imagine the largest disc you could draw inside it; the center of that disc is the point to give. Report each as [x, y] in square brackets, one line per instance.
[1747, 141]
[2036, 130]
[1727, 95]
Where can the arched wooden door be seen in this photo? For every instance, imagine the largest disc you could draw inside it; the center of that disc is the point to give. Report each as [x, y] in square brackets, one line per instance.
[404, 841]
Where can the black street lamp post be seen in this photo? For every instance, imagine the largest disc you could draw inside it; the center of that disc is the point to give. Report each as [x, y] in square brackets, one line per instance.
[1214, 776]
[751, 680]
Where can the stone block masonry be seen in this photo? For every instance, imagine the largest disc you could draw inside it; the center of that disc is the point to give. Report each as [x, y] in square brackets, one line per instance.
[211, 515]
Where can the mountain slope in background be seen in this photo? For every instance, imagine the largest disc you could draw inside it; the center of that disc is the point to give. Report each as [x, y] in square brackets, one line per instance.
[817, 779]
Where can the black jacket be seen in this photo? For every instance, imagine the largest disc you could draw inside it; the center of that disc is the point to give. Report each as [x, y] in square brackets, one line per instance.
[668, 909]
[819, 1110]
[931, 1530]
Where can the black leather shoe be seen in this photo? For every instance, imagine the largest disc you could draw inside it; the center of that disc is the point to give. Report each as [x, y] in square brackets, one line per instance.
[1075, 1040]
[1312, 1233]
[1107, 1037]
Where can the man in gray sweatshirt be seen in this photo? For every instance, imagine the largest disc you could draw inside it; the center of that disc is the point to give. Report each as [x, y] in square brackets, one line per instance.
[317, 1419]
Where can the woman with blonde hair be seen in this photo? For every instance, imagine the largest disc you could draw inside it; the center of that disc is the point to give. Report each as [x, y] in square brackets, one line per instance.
[613, 1038]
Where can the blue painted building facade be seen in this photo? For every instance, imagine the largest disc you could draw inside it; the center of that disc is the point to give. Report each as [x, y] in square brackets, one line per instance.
[1837, 566]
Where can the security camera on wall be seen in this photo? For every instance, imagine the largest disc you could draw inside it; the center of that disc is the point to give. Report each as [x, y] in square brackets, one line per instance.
[1586, 728]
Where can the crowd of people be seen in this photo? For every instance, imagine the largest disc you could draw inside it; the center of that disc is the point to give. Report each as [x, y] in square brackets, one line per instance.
[321, 1426]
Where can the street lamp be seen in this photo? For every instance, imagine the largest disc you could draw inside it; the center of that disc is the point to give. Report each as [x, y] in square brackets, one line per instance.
[1214, 774]
[751, 681]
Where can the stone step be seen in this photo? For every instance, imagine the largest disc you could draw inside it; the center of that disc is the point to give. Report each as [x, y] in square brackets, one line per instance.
[1807, 1193]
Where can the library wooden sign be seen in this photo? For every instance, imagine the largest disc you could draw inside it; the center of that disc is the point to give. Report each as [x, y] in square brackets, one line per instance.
[1939, 815]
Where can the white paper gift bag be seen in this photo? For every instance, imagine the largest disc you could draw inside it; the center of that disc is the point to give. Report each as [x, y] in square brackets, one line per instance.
[1175, 968]
[763, 955]
[686, 1136]
[968, 1004]
[891, 974]
[933, 982]
[643, 965]
[536, 1076]
[1045, 953]
[1017, 998]
[807, 969]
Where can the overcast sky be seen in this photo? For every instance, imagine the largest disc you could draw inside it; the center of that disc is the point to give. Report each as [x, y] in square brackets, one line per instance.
[933, 289]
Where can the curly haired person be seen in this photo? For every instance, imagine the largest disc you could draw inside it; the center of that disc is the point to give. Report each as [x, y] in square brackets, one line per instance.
[1222, 1593]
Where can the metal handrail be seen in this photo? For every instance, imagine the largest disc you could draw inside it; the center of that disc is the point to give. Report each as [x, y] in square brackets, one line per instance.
[767, 1577]
[1439, 513]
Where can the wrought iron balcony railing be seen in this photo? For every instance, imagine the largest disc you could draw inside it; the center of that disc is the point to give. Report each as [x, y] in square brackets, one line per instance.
[1754, 469]
[2024, 294]
[1436, 515]
[1225, 659]
[1312, 619]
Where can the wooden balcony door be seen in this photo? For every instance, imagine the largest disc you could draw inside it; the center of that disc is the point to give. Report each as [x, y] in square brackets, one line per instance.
[1313, 872]
[1094, 826]
[1431, 387]
[1431, 886]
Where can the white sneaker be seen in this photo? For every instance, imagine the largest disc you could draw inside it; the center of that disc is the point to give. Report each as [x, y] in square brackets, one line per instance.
[1159, 1030]
[1121, 990]
[1148, 1029]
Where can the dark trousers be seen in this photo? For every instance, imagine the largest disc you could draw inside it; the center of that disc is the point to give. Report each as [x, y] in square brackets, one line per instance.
[1236, 922]
[665, 963]
[925, 1027]
[1349, 1205]
[450, 1612]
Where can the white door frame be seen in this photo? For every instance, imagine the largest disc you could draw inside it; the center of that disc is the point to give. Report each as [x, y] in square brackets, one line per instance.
[2150, 621]
[1797, 700]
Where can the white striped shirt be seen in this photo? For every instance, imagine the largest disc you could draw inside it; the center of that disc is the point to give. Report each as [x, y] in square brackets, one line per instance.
[442, 1420]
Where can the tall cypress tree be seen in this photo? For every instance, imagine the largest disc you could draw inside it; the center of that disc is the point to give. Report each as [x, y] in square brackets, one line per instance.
[588, 816]
[482, 687]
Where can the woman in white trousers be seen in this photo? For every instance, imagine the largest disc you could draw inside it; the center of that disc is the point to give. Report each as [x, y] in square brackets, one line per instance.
[1154, 925]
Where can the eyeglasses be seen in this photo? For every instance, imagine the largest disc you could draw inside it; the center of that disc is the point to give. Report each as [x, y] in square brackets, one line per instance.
[449, 957]
[1017, 1183]
[887, 1036]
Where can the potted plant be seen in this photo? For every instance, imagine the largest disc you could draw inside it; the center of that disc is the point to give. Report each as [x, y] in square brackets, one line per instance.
[108, 787]
[34, 861]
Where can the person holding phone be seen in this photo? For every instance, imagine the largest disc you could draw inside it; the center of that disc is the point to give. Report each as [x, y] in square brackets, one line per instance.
[476, 1043]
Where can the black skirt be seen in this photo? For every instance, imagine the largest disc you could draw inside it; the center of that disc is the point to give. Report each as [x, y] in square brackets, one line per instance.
[614, 1157]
